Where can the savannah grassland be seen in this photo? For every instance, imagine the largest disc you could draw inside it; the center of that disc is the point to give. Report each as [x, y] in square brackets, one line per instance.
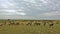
[22, 28]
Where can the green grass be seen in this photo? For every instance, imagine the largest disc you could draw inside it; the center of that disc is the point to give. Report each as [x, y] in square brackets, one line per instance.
[24, 29]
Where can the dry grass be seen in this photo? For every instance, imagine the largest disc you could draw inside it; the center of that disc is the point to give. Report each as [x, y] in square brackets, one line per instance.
[26, 29]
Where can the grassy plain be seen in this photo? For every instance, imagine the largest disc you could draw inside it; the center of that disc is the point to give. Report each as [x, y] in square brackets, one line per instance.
[27, 29]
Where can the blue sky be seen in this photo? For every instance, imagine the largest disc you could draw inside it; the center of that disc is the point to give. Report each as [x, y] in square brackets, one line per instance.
[30, 9]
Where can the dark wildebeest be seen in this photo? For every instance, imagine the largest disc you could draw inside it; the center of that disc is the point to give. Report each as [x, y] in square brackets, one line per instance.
[29, 24]
[51, 24]
[17, 24]
[36, 23]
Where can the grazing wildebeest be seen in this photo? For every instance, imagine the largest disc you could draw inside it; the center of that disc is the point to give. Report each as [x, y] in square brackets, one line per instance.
[17, 24]
[29, 24]
[36, 23]
[11, 24]
[1, 24]
[51, 24]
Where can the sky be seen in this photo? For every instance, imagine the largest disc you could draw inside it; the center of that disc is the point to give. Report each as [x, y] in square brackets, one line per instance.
[30, 9]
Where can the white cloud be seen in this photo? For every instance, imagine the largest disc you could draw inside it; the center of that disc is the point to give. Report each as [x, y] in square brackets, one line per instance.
[12, 12]
[4, 5]
[44, 1]
[31, 1]
[54, 13]
[10, 4]
[9, 11]
[20, 10]
[21, 13]
[30, 8]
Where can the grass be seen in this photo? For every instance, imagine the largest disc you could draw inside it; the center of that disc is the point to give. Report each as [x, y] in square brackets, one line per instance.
[24, 29]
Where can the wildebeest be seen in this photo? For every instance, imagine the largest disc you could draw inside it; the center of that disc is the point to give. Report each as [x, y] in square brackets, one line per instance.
[36, 23]
[11, 23]
[29, 24]
[1, 24]
[51, 24]
[16, 23]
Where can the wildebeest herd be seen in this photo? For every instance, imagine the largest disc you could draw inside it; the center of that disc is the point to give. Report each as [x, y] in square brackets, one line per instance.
[44, 23]
[36, 23]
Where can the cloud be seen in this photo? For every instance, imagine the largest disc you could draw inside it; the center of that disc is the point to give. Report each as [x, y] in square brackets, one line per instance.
[36, 9]
[12, 12]
[55, 13]
[31, 1]
[21, 13]
[44, 1]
